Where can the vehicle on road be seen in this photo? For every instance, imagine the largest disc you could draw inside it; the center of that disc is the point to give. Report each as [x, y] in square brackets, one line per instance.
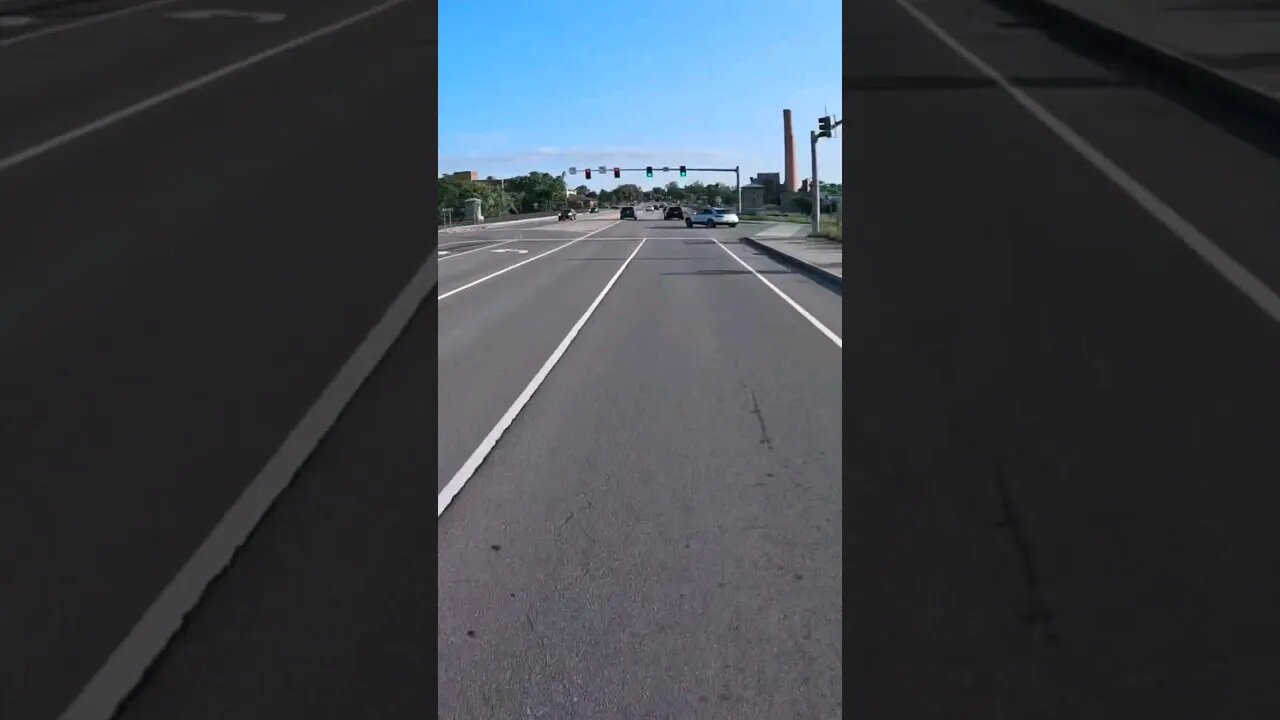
[673, 213]
[568, 214]
[712, 217]
[593, 211]
[627, 212]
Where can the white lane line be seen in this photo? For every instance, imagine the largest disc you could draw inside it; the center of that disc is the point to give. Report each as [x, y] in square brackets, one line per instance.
[490, 441]
[522, 262]
[482, 247]
[804, 313]
[84, 22]
[117, 116]
[126, 666]
[1217, 258]
[504, 242]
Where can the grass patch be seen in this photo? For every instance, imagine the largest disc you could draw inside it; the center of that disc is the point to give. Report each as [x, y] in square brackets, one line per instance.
[830, 229]
[776, 217]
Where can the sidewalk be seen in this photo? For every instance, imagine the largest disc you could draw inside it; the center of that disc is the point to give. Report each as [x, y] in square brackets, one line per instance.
[1234, 38]
[787, 243]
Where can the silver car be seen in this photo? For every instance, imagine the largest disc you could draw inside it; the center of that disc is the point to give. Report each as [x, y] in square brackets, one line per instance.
[712, 217]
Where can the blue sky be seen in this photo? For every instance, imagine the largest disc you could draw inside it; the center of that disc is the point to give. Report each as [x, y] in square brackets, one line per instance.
[548, 84]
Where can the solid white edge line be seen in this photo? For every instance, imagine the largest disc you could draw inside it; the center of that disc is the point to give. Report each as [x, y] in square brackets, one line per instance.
[1217, 258]
[112, 118]
[795, 305]
[92, 20]
[128, 663]
[490, 441]
[522, 262]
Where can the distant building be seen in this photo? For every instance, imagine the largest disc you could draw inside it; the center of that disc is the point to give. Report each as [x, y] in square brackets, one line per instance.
[753, 196]
[772, 185]
[464, 175]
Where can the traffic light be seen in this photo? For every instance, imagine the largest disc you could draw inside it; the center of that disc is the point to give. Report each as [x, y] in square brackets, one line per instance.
[824, 126]
[617, 173]
[588, 172]
[681, 171]
[648, 171]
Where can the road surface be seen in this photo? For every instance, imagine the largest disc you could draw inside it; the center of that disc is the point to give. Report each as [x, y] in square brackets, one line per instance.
[657, 534]
[202, 219]
[1061, 497]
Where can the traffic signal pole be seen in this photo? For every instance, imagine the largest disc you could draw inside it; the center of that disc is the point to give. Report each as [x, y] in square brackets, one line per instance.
[737, 186]
[817, 197]
[825, 126]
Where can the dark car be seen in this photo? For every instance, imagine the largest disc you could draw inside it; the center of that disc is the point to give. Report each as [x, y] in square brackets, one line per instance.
[627, 212]
[568, 214]
[674, 212]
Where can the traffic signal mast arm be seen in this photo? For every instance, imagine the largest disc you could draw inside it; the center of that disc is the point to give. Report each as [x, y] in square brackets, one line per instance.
[649, 169]
[692, 169]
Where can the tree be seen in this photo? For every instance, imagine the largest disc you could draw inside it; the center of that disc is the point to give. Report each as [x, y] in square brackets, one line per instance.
[454, 193]
[582, 190]
[538, 188]
[629, 192]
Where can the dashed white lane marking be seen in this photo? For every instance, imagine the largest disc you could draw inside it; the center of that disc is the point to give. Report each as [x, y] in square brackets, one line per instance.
[92, 20]
[795, 305]
[518, 251]
[129, 662]
[1217, 258]
[127, 112]
[490, 441]
[509, 268]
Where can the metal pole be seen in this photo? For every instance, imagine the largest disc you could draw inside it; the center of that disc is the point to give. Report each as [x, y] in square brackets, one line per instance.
[813, 147]
[737, 186]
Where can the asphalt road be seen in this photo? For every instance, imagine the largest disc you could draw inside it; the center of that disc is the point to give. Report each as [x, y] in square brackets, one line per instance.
[657, 534]
[179, 281]
[1062, 494]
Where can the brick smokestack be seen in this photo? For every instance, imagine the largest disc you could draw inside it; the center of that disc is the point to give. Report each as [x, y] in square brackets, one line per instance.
[789, 148]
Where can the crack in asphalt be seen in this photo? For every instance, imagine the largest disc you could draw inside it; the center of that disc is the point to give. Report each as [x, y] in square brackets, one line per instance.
[764, 430]
[1038, 611]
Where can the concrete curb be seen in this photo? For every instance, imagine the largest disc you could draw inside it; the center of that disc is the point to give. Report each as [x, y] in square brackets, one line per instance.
[1167, 61]
[481, 226]
[820, 275]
